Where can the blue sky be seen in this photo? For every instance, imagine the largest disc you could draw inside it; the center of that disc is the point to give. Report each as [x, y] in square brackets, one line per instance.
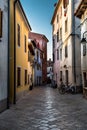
[39, 14]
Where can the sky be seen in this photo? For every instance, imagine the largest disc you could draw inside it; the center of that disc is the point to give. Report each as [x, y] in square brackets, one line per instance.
[39, 14]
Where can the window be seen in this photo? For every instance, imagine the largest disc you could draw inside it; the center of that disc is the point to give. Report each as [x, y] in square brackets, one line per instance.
[57, 36]
[0, 23]
[61, 54]
[60, 12]
[66, 72]
[57, 54]
[60, 74]
[61, 33]
[66, 51]
[18, 34]
[57, 18]
[53, 57]
[65, 3]
[18, 76]
[53, 42]
[25, 77]
[25, 46]
[84, 49]
[66, 25]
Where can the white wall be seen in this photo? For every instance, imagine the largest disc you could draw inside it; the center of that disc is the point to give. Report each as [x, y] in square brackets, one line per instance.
[3, 51]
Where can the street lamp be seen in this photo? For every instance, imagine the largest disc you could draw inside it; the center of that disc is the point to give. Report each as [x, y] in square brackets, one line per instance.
[83, 41]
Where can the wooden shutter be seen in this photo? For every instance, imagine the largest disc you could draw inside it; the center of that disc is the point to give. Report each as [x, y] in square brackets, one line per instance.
[0, 23]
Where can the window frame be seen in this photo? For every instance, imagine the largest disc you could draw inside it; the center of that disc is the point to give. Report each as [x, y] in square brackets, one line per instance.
[66, 25]
[57, 35]
[61, 54]
[84, 49]
[18, 35]
[66, 51]
[57, 54]
[18, 76]
[25, 43]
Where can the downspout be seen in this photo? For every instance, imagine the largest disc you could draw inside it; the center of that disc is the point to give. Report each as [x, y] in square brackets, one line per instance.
[14, 53]
[73, 41]
[8, 55]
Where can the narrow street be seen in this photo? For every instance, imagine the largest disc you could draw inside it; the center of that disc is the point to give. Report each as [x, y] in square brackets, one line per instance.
[44, 108]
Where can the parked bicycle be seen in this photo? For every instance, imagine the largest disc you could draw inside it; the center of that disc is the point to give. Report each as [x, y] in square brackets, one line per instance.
[67, 88]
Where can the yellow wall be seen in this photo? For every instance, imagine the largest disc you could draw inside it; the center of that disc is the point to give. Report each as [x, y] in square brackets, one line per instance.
[21, 56]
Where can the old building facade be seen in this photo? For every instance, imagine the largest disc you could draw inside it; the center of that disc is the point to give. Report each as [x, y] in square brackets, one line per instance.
[38, 65]
[22, 29]
[18, 35]
[31, 55]
[81, 13]
[42, 43]
[4, 54]
[66, 47]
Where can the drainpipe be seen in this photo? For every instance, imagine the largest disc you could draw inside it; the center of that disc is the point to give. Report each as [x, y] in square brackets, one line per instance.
[15, 53]
[73, 41]
[8, 55]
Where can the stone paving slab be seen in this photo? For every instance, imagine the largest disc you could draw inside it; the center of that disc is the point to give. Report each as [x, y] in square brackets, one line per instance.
[44, 108]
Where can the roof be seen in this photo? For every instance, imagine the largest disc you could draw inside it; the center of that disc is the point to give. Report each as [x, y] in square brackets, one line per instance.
[36, 45]
[23, 13]
[81, 8]
[42, 36]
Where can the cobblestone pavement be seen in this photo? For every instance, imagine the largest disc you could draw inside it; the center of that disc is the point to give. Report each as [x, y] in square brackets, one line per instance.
[44, 108]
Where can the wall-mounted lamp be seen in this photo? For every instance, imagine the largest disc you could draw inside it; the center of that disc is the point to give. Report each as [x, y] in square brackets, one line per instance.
[83, 41]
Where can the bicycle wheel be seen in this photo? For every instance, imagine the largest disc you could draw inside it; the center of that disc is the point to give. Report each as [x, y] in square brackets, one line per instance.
[73, 90]
[61, 90]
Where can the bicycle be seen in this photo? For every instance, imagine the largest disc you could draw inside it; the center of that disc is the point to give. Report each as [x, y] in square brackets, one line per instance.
[67, 89]
[61, 88]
